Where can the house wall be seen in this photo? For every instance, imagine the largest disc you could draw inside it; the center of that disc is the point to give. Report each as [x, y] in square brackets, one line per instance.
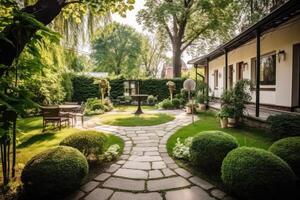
[281, 38]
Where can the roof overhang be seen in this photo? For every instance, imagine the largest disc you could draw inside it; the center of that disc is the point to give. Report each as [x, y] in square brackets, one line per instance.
[279, 16]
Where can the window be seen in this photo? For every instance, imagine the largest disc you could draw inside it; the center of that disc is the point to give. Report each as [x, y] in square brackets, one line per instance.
[267, 70]
[216, 79]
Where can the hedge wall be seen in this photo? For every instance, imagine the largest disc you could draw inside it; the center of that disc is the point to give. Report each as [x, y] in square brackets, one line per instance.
[158, 87]
[84, 88]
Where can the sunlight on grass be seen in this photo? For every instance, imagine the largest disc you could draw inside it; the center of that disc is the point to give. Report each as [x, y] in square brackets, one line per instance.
[132, 108]
[246, 136]
[135, 120]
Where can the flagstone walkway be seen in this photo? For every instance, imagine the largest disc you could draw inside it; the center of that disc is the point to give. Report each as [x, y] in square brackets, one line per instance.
[145, 171]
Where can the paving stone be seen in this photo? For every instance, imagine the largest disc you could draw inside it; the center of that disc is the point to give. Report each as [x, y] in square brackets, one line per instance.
[137, 196]
[131, 173]
[183, 173]
[168, 160]
[99, 194]
[121, 162]
[218, 193]
[202, 183]
[194, 193]
[124, 157]
[162, 150]
[158, 165]
[145, 158]
[168, 172]
[102, 177]
[137, 165]
[144, 149]
[167, 183]
[172, 166]
[146, 141]
[125, 184]
[76, 195]
[155, 174]
[137, 153]
[113, 168]
[89, 186]
[147, 145]
[152, 153]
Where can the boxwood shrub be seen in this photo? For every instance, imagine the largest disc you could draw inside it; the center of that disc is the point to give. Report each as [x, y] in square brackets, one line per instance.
[289, 150]
[209, 148]
[252, 173]
[54, 173]
[90, 143]
[284, 125]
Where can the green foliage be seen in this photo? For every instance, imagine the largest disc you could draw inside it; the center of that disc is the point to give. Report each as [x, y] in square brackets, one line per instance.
[117, 88]
[284, 125]
[158, 88]
[151, 100]
[166, 104]
[90, 143]
[181, 150]
[116, 50]
[289, 150]
[54, 173]
[252, 173]
[176, 103]
[94, 106]
[111, 153]
[84, 88]
[209, 148]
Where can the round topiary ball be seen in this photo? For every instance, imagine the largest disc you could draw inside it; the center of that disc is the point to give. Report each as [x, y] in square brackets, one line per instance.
[252, 173]
[288, 149]
[54, 173]
[90, 143]
[209, 148]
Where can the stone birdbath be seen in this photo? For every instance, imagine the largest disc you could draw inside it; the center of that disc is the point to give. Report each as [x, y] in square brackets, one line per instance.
[139, 98]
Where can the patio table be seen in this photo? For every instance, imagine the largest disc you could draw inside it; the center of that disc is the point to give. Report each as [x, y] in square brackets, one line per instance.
[139, 98]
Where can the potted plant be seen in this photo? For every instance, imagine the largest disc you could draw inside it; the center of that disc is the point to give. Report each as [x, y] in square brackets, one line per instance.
[231, 117]
[223, 116]
[201, 98]
[190, 108]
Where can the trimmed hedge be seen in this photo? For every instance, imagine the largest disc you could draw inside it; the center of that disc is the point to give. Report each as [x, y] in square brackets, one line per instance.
[289, 150]
[90, 143]
[54, 173]
[252, 173]
[117, 88]
[209, 148]
[284, 125]
[84, 88]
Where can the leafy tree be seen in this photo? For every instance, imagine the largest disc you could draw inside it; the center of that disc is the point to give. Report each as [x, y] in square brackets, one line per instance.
[184, 21]
[19, 25]
[153, 53]
[117, 49]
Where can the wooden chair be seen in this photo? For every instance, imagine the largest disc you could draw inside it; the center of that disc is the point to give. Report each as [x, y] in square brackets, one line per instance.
[52, 115]
[79, 113]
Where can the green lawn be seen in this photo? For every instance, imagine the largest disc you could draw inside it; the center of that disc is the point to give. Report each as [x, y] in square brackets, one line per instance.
[135, 120]
[31, 139]
[123, 108]
[246, 136]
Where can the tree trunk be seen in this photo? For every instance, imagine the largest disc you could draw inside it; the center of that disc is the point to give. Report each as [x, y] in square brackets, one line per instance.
[19, 35]
[176, 61]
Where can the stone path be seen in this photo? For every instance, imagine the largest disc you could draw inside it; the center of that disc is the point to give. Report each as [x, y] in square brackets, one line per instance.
[145, 171]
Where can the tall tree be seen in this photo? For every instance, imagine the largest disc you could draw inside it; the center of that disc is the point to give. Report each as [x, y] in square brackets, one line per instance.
[23, 23]
[184, 21]
[153, 53]
[117, 49]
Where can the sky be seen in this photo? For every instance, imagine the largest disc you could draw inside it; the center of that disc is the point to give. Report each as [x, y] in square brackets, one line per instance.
[131, 21]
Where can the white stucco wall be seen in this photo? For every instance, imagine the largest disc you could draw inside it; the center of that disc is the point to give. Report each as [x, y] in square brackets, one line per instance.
[281, 38]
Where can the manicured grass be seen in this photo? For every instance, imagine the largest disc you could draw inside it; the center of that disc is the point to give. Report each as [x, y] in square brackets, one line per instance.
[246, 136]
[121, 108]
[31, 139]
[136, 120]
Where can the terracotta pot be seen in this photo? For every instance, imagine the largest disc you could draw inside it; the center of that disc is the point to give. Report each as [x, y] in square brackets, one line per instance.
[224, 122]
[231, 122]
[201, 106]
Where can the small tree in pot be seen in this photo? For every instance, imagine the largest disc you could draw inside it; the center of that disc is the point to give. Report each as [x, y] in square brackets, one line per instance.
[171, 86]
[104, 88]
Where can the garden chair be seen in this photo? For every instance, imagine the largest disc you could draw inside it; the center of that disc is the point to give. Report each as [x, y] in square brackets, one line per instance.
[52, 115]
[79, 113]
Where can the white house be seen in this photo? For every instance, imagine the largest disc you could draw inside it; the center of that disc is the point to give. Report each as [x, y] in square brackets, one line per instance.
[275, 41]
